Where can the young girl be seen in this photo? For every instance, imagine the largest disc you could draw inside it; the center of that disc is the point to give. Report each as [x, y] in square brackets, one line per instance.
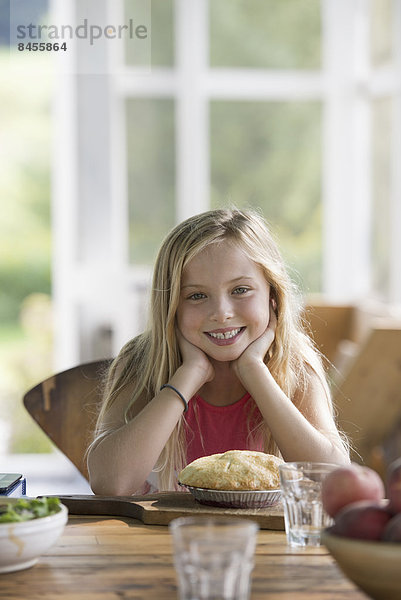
[224, 364]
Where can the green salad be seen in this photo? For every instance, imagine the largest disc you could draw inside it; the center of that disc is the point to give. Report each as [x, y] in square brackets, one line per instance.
[25, 509]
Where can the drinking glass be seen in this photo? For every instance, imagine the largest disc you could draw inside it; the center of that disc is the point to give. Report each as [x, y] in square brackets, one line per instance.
[213, 557]
[304, 516]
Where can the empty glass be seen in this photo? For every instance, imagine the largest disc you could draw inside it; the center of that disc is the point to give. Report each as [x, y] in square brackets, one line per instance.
[213, 557]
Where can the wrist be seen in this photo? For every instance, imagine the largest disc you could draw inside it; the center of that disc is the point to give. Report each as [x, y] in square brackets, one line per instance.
[174, 389]
[186, 381]
[248, 370]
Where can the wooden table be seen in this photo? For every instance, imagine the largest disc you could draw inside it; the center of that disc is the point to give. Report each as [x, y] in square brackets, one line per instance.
[108, 558]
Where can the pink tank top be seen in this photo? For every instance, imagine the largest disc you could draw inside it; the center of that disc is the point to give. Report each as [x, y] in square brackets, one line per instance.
[214, 429]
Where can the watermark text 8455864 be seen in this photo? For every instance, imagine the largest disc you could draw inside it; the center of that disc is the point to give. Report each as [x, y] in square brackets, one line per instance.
[42, 47]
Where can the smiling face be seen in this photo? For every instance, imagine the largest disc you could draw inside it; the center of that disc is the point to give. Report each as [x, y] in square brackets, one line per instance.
[224, 301]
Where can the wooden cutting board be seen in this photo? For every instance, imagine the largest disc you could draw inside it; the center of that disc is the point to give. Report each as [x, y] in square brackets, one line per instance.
[160, 509]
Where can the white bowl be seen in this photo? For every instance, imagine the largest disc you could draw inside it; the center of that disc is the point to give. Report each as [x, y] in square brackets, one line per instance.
[22, 543]
[373, 566]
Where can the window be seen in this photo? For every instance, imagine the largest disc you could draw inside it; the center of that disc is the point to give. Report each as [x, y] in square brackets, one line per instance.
[291, 106]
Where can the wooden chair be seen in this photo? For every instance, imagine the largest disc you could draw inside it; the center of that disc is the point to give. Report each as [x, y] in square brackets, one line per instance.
[368, 398]
[65, 407]
[329, 325]
[367, 391]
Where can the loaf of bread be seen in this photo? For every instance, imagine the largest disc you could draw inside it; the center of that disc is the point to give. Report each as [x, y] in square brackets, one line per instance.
[233, 470]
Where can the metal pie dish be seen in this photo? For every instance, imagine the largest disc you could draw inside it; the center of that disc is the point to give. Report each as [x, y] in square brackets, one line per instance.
[235, 498]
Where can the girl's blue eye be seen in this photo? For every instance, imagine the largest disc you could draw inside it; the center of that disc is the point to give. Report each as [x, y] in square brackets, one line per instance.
[197, 296]
[241, 290]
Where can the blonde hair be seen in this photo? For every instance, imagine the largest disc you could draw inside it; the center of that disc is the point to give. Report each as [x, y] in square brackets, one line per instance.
[150, 360]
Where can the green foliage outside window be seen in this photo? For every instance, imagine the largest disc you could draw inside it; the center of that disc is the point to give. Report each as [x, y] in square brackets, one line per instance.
[268, 155]
[25, 278]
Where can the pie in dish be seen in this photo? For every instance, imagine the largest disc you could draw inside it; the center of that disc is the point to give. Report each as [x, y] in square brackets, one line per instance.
[233, 470]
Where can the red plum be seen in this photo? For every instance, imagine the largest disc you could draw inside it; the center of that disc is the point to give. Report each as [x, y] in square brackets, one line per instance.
[350, 483]
[362, 520]
[394, 485]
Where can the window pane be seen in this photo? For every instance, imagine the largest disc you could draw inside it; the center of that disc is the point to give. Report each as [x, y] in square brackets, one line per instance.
[381, 215]
[268, 155]
[381, 27]
[265, 33]
[162, 43]
[151, 175]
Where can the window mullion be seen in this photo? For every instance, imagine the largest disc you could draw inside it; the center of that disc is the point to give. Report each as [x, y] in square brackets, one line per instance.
[395, 247]
[346, 187]
[192, 160]
[65, 206]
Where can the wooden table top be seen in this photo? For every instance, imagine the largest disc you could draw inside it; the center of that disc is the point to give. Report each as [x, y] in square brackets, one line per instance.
[114, 558]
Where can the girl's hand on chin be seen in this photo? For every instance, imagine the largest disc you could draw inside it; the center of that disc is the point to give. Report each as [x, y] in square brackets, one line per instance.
[194, 357]
[257, 350]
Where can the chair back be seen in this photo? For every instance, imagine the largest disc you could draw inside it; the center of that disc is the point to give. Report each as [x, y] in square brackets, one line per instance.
[366, 388]
[65, 408]
[368, 398]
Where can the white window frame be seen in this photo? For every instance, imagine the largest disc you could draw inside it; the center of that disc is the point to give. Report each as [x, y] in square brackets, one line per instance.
[99, 287]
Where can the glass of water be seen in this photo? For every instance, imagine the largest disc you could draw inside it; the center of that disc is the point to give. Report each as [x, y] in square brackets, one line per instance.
[304, 516]
[213, 557]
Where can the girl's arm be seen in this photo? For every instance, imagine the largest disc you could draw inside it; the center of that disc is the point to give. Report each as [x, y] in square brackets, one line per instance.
[120, 462]
[310, 435]
[305, 434]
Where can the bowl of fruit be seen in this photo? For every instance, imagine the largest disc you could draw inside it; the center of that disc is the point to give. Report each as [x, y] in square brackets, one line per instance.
[28, 528]
[365, 538]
